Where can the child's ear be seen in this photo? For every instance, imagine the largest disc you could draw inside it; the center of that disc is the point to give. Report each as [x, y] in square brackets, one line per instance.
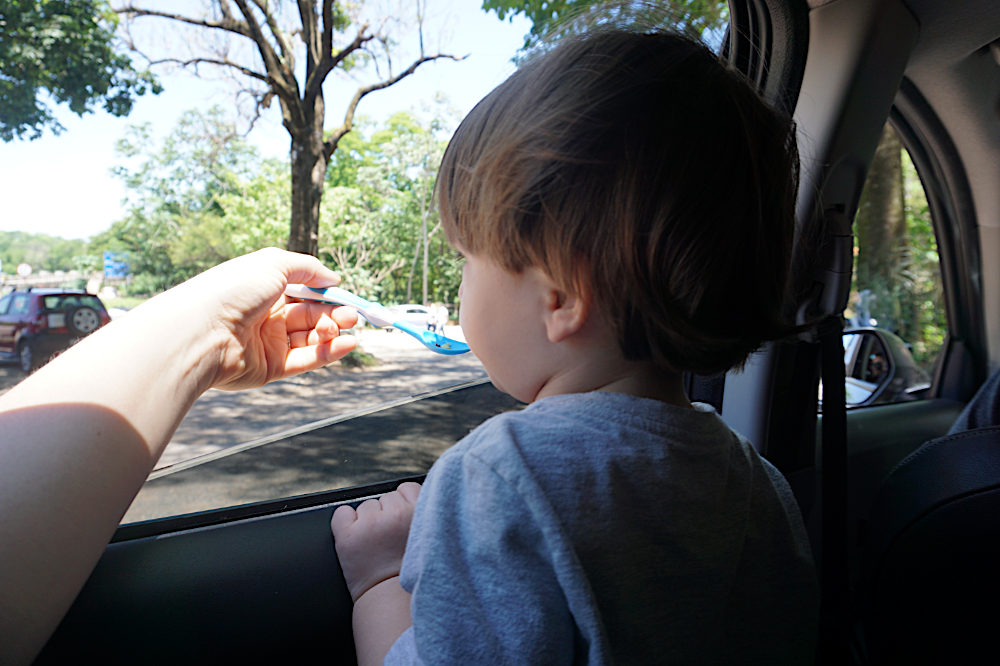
[566, 312]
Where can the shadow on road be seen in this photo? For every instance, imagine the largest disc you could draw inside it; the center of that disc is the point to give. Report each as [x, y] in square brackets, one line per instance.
[397, 442]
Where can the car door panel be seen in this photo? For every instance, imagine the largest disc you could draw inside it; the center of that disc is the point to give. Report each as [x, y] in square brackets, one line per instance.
[266, 589]
[258, 581]
[878, 439]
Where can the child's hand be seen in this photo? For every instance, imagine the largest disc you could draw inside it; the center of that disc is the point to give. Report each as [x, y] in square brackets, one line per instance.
[370, 541]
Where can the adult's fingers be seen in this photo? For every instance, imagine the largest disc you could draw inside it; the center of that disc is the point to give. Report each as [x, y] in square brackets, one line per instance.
[325, 331]
[304, 359]
[300, 268]
[304, 316]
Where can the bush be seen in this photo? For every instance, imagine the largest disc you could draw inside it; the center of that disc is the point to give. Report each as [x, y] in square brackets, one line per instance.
[359, 358]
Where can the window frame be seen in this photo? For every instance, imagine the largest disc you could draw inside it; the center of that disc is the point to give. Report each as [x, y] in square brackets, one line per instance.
[962, 363]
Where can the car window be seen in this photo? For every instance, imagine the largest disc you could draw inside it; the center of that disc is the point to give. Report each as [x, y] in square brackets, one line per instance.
[66, 302]
[205, 183]
[4, 302]
[20, 304]
[896, 291]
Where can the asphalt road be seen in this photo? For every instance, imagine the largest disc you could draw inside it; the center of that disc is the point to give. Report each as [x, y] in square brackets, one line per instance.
[393, 443]
[220, 419]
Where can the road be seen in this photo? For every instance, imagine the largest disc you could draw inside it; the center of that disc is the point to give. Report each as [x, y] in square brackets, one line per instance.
[220, 419]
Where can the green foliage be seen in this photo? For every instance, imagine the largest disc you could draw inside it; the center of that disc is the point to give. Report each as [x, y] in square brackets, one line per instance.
[920, 290]
[176, 225]
[370, 227]
[551, 18]
[911, 304]
[203, 196]
[63, 48]
[359, 358]
[47, 253]
[123, 302]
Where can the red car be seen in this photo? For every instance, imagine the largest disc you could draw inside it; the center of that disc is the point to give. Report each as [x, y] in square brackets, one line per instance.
[38, 323]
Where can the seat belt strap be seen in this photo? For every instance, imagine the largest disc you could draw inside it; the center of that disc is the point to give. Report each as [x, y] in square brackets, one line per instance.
[835, 607]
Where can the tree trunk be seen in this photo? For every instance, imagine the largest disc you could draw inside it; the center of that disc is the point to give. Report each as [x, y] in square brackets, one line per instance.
[881, 229]
[413, 269]
[310, 158]
[423, 229]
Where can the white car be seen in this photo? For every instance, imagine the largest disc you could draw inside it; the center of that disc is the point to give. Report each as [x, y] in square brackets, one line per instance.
[418, 315]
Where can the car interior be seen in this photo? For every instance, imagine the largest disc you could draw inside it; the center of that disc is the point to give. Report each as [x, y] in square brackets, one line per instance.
[904, 544]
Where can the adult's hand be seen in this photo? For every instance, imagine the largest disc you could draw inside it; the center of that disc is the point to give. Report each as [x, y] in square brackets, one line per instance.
[262, 335]
[79, 437]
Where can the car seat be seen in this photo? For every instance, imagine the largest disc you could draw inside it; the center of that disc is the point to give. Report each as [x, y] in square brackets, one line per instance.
[929, 587]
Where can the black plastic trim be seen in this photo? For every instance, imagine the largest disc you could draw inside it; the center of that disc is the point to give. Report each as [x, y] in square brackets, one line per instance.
[147, 528]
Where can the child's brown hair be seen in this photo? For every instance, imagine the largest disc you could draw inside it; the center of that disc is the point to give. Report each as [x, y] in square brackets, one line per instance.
[640, 166]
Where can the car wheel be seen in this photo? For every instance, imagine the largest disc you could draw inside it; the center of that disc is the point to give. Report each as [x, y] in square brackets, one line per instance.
[26, 355]
[82, 320]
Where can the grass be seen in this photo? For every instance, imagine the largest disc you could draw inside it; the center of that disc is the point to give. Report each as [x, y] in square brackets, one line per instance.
[124, 302]
[359, 358]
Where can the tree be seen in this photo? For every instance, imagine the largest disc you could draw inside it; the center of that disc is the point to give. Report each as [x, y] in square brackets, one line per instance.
[552, 18]
[175, 226]
[41, 252]
[382, 220]
[897, 274]
[881, 230]
[64, 48]
[272, 73]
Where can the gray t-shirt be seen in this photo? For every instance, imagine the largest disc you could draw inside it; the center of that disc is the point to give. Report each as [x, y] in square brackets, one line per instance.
[602, 528]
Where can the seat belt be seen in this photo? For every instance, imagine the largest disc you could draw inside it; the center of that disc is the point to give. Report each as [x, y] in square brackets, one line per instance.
[827, 301]
[835, 616]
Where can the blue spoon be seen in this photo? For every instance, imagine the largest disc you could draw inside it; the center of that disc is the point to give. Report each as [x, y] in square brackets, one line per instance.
[378, 315]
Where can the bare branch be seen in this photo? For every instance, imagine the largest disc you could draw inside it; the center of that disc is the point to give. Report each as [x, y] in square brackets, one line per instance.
[331, 144]
[307, 15]
[212, 61]
[282, 79]
[315, 81]
[227, 23]
[287, 52]
[327, 43]
[385, 272]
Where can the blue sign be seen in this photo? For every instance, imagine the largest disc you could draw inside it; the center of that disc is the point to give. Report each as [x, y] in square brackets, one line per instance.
[116, 264]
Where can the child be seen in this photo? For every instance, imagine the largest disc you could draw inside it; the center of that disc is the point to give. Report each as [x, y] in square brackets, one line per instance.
[625, 205]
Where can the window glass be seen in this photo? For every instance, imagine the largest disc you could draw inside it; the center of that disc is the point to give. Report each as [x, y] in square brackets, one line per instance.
[380, 444]
[20, 304]
[205, 169]
[4, 302]
[63, 303]
[357, 422]
[896, 288]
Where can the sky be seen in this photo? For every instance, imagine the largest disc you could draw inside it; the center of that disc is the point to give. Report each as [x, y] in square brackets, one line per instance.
[62, 185]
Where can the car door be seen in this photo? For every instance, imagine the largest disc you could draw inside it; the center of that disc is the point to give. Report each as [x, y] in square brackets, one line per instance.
[236, 579]
[12, 319]
[5, 332]
[260, 581]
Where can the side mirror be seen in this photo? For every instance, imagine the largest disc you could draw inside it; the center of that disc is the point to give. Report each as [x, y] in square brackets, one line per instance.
[879, 369]
[868, 367]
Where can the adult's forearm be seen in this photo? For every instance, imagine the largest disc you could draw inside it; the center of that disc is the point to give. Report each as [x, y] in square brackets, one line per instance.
[77, 440]
[381, 615]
